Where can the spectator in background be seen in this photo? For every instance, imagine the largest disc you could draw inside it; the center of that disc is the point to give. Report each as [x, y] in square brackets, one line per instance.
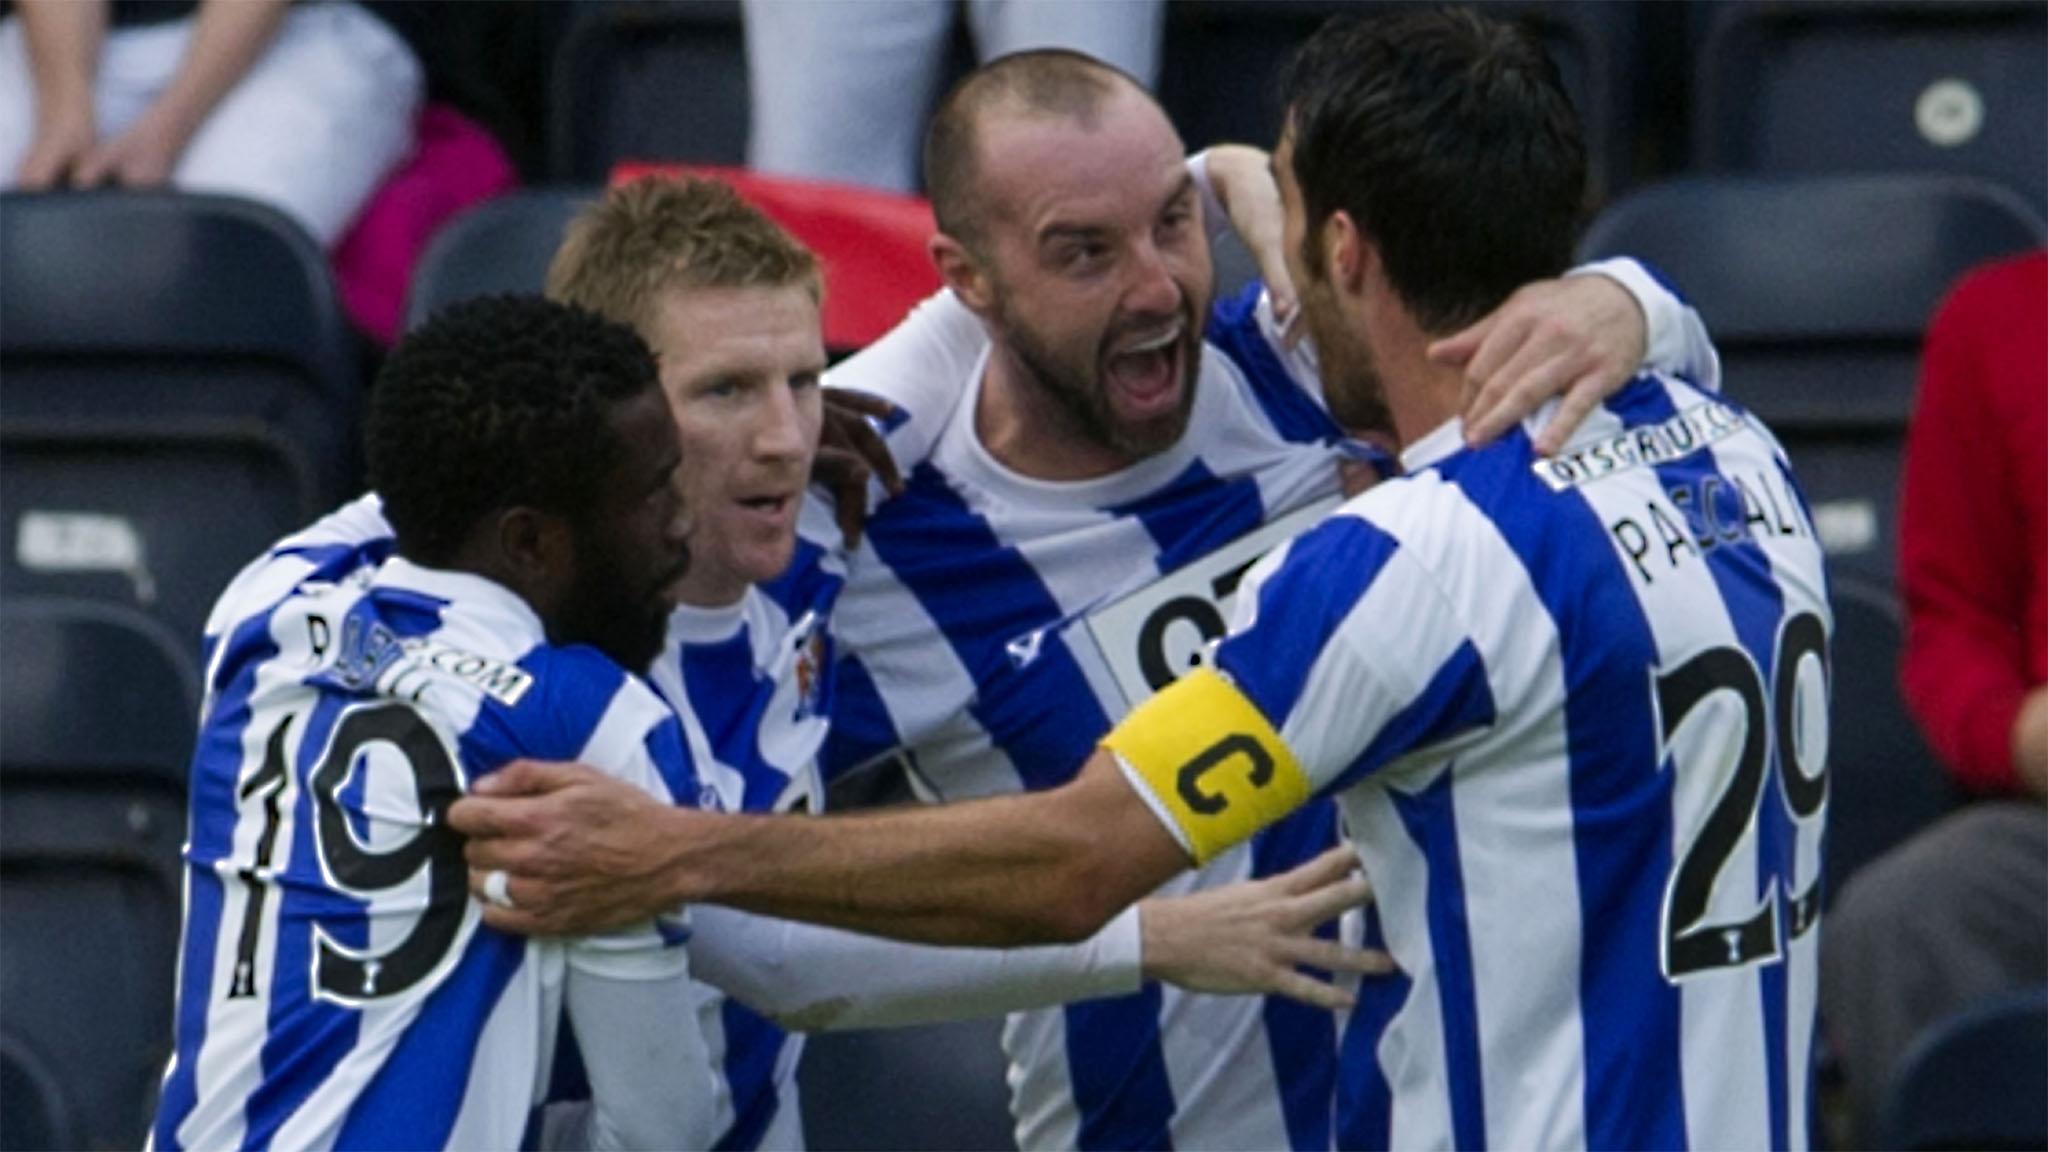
[1960, 912]
[304, 107]
[840, 91]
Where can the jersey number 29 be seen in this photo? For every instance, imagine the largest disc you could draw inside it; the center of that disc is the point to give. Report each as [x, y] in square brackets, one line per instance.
[1690, 944]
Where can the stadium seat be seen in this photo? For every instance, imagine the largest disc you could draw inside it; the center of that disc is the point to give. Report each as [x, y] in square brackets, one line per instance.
[1886, 783]
[1818, 291]
[1220, 68]
[938, 1086]
[181, 390]
[502, 245]
[97, 714]
[1977, 1080]
[1877, 85]
[33, 1112]
[648, 81]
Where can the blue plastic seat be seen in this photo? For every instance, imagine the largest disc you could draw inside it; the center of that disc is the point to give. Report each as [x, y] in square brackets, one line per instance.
[1877, 85]
[180, 391]
[1885, 783]
[1221, 61]
[1976, 1080]
[1818, 292]
[34, 1113]
[936, 1086]
[97, 711]
[648, 81]
[502, 245]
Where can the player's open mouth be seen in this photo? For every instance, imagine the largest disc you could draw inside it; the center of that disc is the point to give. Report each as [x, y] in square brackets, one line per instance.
[1145, 374]
[775, 508]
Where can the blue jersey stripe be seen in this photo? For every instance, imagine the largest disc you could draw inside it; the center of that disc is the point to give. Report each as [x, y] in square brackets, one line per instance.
[210, 836]
[1622, 825]
[1365, 1101]
[806, 585]
[1118, 1071]
[1457, 699]
[861, 728]
[1301, 1039]
[307, 1038]
[1041, 712]
[1742, 574]
[1196, 514]
[752, 1044]
[333, 561]
[733, 718]
[1431, 821]
[1301, 606]
[1234, 329]
[415, 1098]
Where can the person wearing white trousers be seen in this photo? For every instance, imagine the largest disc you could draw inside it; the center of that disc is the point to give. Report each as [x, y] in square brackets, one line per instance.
[305, 107]
[840, 88]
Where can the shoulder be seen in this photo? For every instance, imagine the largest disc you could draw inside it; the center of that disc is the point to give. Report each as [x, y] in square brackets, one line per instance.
[923, 366]
[351, 538]
[582, 706]
[2018, 286]
[1280, 378]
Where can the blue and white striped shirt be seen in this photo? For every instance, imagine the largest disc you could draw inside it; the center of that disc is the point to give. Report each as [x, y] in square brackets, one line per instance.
[336, 986]
[752, 683]
[1574, 711]
[994, 627]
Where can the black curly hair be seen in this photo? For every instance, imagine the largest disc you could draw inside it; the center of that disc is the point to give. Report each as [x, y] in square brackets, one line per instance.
[497, 402]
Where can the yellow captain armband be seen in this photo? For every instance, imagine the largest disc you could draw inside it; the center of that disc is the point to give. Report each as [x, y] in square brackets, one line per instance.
[1211, 760]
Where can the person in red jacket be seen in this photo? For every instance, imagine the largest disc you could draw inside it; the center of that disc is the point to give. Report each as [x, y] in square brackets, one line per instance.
[1960, 912]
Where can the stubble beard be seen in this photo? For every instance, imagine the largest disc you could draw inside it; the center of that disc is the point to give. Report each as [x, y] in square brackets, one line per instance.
[1083, 397]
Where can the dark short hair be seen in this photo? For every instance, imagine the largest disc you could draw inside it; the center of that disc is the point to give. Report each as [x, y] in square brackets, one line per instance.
[1449, 140]
[495, 403]
[1046, 81]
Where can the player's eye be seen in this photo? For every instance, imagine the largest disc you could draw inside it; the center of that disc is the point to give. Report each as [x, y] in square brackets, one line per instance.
[1083, 257]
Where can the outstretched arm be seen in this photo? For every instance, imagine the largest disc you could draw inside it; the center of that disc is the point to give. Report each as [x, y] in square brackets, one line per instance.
[636, 1024]
[584, 852]
[1250, 937]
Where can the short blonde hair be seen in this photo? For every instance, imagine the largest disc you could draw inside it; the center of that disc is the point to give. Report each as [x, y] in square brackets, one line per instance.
[660, 234]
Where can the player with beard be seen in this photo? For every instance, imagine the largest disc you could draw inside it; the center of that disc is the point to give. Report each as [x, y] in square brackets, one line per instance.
[1092, 457]
[729, 303]
[337, 986]
[1585, 769]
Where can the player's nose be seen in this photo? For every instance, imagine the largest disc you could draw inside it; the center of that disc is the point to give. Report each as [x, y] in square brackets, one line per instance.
[779, 433]
[1152, 291]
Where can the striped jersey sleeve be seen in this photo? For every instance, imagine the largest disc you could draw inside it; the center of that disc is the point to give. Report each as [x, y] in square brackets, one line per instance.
[1299, 701]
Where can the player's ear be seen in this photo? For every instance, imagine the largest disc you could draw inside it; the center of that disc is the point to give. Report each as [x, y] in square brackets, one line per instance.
[537, 549]
[1346, 252]
[961, 271]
